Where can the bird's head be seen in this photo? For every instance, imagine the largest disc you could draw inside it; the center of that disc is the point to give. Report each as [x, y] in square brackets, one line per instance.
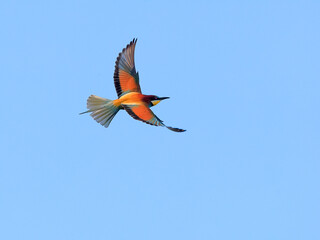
[155, 99]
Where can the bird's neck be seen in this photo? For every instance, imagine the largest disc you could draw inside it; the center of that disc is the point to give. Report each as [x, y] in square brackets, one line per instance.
[148, 98]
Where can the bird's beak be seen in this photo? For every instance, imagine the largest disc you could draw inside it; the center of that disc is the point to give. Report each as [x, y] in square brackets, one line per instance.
[162, 98]
[159, 99]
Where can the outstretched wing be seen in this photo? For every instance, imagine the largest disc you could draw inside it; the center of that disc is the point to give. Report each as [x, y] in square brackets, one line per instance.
[143, 113]
[126, 79]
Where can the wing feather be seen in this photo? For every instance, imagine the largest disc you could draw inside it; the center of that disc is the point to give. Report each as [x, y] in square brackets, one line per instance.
[126, 79]
[143, 113]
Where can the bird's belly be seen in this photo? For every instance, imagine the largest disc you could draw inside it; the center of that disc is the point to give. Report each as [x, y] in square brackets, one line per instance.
[129, 98]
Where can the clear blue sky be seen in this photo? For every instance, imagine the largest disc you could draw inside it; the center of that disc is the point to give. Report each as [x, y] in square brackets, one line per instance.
[244, 80]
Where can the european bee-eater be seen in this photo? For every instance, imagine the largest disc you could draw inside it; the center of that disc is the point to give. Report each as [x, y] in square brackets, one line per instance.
[130, 98]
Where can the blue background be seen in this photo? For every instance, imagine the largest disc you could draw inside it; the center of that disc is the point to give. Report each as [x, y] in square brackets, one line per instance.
[243, 77]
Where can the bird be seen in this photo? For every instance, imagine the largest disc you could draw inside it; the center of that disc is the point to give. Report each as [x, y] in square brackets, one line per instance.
[130, 97]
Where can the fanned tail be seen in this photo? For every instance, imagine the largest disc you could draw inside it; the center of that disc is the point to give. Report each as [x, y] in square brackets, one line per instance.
[102, 110]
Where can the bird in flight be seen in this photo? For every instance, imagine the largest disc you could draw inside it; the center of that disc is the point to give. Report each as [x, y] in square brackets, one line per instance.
[130, 98]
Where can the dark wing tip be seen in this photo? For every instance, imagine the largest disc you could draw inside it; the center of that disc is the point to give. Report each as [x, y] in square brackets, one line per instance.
[133, 42]
[176, 129]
